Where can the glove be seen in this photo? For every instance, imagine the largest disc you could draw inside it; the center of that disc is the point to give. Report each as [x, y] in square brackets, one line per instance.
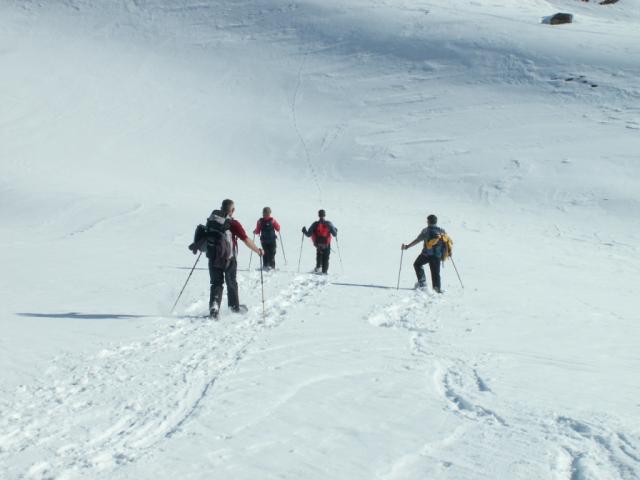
[304, 230]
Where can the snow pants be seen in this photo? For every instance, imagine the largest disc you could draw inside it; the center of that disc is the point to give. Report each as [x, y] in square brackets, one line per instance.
[322, 258]
[434, 266]
[218, 277]
[269, 258]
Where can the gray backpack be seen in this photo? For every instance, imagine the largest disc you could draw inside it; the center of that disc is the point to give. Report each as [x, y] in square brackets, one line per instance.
[218, 233]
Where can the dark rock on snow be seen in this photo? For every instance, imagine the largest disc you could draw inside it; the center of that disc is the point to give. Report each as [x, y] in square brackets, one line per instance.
[560, 18]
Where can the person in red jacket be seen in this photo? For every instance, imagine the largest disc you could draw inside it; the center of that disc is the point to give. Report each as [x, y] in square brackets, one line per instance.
[223, 232]
[267, 227]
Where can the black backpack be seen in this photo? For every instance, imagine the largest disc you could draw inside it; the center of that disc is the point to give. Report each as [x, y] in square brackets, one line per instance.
[199, 240]
[219, 248]
[267, 231]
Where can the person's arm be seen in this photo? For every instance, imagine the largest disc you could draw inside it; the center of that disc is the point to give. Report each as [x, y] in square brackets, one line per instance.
[312, 228]
[252, 246]
[258, 227]
[415, 242]
[333, 229]
[238, 230]
[276, 225]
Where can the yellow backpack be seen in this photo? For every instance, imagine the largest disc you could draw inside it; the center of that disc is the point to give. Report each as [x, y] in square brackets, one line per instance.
[447, 245]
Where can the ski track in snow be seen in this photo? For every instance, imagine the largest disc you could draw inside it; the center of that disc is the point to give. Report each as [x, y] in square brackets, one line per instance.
[107, 409]
[583, 450]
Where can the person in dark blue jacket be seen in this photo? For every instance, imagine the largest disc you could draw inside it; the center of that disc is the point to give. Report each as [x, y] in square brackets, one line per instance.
[432, 251]
[321, 231]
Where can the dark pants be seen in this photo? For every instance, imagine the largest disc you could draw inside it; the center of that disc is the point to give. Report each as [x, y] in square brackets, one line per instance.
[218, 276]
[322, 258]
[269, 259]
[434, 266]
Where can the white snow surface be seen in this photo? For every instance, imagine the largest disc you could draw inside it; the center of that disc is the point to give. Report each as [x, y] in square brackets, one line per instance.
[125, 122]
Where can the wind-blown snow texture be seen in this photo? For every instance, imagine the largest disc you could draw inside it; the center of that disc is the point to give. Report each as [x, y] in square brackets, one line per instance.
[125, 122]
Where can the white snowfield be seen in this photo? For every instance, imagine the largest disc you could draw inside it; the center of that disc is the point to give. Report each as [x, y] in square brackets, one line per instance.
[123, 123]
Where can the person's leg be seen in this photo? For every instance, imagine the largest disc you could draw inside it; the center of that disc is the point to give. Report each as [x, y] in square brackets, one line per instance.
[434, 266]
[216, 276]
[233, 297]
[418, 267]
[325, 260]
[318, 259]
[270, 255]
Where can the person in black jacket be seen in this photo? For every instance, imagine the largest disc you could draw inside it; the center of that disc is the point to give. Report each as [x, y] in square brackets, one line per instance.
[432, 251]
[321, 232]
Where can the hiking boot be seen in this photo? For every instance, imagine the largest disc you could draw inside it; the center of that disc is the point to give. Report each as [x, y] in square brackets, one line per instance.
[420, 285]
[437, 290]
[213, 312]
[239, 309]
[317, 270]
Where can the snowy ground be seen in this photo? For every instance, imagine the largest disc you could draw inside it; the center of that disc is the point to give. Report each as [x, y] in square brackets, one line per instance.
[124, 122]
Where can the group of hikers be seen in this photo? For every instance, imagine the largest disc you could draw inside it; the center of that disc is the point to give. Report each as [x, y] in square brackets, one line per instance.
[219, 240]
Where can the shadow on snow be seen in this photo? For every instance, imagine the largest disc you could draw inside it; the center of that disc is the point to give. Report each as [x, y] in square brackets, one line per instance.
[95, 316]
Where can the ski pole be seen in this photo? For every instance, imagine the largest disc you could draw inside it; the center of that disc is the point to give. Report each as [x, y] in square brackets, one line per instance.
[251, 254]
[185, 283]
[339, 255]
[282, 245]
[400, 270]
[456, 269]
[300, 257]
[264, 316]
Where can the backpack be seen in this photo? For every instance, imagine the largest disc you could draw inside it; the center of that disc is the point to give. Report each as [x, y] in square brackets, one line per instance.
[322, 235]
[267, 231]
[218, 234]
[199, 240]
[442, 243]
[447, 246]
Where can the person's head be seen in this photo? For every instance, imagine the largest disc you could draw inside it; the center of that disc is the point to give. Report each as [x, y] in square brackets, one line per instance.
[227, 207]
[432, 219]
[266, 212]
[321, 213]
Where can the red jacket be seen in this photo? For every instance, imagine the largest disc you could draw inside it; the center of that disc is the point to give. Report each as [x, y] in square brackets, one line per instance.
[237, 231]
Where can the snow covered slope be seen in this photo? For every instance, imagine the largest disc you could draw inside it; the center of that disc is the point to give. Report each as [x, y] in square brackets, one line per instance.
[124, 122]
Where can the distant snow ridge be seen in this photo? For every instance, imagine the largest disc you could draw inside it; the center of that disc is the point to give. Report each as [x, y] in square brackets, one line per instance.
[96, 413]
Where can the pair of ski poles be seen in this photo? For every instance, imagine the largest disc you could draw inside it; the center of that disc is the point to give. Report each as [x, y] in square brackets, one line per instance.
[339, 254]
[400, 270]
[264, 314]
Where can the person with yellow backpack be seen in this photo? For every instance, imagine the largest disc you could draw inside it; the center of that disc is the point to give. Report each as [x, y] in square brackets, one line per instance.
[436, 248]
